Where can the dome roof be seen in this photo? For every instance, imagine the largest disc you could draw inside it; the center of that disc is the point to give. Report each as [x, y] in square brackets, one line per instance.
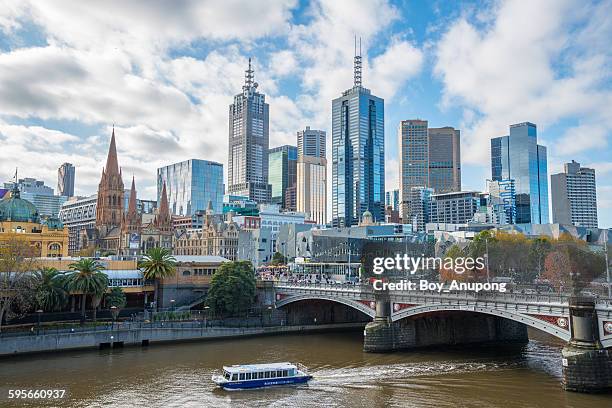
[367, 214]
[16, 209]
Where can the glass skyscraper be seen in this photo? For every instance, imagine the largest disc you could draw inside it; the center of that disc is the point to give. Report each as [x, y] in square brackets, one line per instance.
[65, 180]
[249, 142]
[358, 154]
[311, 142]
[191, 184]
[282, 169]
[518, 157]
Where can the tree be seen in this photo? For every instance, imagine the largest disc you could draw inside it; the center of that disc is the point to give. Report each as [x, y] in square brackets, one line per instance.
[232, 288]
[116, 297]
[88, 279]
[572, 265]
[278, 259]
[51, 294]
[157, 264]
[16, 284]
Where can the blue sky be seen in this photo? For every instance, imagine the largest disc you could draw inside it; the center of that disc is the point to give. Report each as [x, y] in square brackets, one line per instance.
[165, 75]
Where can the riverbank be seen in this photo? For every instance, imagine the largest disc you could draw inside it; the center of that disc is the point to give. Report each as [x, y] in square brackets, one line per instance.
[145, 335]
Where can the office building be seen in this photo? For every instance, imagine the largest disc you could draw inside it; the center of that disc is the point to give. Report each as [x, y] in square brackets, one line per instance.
[36, 192]
[78, 214]
[249, 143]
[358, 154]
[311, 142]
[419, 203]
[282, 175]
[444, 159]
[392, 199]
[518, 156]
[574, 196]
[312, 188]
[65, 180]
[503, 193]
[191, 185]
[454, 208]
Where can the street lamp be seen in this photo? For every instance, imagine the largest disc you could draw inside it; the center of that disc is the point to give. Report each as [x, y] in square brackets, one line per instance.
[39, 313]
[270, 315]
[206, 309]
[114, 312]
[172, 304]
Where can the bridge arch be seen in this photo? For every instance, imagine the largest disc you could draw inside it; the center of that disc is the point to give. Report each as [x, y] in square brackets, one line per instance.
[517, 317]
[348, 302]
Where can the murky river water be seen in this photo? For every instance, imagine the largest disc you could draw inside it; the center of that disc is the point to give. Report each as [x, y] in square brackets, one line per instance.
[178, 375]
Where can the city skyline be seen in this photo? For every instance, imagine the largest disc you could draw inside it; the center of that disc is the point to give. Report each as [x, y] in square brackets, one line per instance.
[406, 62]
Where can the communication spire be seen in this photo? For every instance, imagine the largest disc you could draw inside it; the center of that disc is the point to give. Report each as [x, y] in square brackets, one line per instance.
[357, 64]
[249, 77]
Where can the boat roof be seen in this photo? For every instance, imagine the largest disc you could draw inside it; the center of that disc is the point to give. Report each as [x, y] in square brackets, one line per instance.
[257, 367]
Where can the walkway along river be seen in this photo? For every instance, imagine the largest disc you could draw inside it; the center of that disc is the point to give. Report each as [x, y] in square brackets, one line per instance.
[178, 375]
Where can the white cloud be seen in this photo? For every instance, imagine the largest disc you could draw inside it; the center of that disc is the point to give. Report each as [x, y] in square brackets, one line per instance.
[536, 68]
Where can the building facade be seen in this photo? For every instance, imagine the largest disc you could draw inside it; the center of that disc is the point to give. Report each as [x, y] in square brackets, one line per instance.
[358, 154]
[519, 157]
[249, 117]
[282, 175]
[444, 153]
[312, 188]
[65, 180]
[413, 161]
[78, 214]
[311, 142]
[36, 192]
[574, 196]
[191, 185]
[392, 199]
[454, 208]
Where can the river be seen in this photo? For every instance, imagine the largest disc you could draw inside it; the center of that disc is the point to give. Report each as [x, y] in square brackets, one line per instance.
[178, 375]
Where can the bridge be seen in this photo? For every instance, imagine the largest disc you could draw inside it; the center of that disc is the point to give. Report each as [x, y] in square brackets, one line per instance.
[404, 319]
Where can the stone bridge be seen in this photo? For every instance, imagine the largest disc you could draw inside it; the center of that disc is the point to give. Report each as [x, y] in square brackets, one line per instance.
[405, 319]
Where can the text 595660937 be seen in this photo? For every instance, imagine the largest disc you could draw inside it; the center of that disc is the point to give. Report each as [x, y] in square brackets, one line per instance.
[36, 393]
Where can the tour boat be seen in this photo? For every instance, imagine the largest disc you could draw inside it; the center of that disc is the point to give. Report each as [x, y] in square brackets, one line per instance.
[261, 375]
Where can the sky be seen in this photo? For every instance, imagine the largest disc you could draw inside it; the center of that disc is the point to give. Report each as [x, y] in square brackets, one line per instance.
[164, 73]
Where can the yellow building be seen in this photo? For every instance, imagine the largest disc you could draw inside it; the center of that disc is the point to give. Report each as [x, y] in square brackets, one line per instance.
[19, 219]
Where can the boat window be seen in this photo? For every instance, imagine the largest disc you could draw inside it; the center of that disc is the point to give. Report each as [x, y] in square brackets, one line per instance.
[227, 376]
[248, 376]
[235, 377]
[261, 374]
[273, 374]
[241, 376]
[284, 373]
[267, 374]
[279, 373]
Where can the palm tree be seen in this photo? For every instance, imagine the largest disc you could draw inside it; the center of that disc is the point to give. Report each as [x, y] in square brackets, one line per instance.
[158, 263]
[116, 297]
[51, 294]
[86, 277]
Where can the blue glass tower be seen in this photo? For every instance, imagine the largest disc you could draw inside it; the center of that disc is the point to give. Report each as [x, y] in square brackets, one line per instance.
[518, 157]
[358, 154]
[191, 184]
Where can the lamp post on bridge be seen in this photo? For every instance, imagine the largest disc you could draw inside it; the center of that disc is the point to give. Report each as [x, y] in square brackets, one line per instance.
[39, 313]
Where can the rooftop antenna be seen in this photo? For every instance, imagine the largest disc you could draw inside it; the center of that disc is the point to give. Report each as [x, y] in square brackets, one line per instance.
[357, 64]
[249, 76]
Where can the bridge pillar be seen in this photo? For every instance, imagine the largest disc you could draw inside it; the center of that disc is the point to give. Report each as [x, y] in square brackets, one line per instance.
[587, 367]
[382, 335]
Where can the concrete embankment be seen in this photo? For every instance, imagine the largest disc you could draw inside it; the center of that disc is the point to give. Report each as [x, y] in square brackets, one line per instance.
[132, 336]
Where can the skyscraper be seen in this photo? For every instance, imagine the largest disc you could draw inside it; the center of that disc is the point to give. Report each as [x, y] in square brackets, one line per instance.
[65, 180]
[519, 157]
[249, 143]
[392, 199]
[444, 159]
[413, 161]
[190, 185]
[574, 196]
[282, 175]
[358, 154]
[311, 142]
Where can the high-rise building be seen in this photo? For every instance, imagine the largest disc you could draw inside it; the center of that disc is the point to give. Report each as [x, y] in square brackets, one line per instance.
[282, 174]
[312, 188]
[503, 193]
[454, 208]
[358, 154]
[65, 180]
[420, 199]
[413, 161]
[78, 214]
[574, 196]
[444, 159]
[392, 199]
[190, 185]
[311, 142]
[249, 143]
[518, 156]
[429, 157]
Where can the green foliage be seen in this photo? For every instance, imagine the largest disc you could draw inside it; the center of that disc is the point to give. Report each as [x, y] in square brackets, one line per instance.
[158, 263]
[171, 316]
[278, 259]
[87, 277]
[116, 297]
[50, 289]
[232, 288]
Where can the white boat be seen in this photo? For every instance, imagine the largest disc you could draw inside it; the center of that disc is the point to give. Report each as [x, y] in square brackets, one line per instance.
[261, 375]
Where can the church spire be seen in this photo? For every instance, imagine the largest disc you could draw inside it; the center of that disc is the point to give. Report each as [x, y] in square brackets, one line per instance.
[163, 220]
[112, 164]
[132, 203]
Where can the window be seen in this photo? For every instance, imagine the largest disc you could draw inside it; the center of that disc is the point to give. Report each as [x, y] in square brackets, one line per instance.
[285, 373]
[267, 374]
[186, 273]
[235, 377]
[248, 376]
[260, 374]
[241, 376]
[273, 374]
